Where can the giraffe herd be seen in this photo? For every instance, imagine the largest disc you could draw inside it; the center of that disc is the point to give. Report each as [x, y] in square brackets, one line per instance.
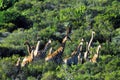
[77, 56]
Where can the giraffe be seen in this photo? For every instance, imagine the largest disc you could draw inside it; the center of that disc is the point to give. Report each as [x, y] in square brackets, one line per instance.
[73, 59]
[36, 49]
[56, 56]
[28, 59]
[96, 56]
[28, 47]
[42, 53]
[80, 54]
[87, 52]
[89, 44]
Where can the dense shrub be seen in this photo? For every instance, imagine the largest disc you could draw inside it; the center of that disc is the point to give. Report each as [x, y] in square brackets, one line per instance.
[23, 5]
[34, 20]
[5, 4]
[17, 19]
[8, 27]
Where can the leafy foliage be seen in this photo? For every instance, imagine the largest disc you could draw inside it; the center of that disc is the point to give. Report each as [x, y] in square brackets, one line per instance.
[33, 20]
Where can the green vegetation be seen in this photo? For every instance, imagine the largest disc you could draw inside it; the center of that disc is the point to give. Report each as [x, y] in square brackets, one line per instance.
[33, 20]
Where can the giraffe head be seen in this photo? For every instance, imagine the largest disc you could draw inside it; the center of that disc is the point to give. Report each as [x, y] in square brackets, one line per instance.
[99, 46]
[82, 40]
[69, 30]
[26, 42]
[49, 41]
[93, 32]
[32, 47]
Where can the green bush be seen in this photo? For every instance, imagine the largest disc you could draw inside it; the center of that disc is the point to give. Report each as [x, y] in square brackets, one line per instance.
[8, 26]
[50, 75]
[5, 4]
[34, 20]
[17, 19]
[23, 5]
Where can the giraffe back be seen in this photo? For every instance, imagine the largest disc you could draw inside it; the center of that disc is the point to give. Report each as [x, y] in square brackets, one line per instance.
[55, 54]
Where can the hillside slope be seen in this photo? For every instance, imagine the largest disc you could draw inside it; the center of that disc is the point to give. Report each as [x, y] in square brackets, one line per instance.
[33, 20]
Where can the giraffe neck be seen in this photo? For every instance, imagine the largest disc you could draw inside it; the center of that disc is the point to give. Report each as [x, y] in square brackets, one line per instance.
[37, 48]
[32, 54]
[50, 51]
[98, 50]
[46, 47]
[79, 49]
[28, 48]
[76, 52]
[64, 42]
[63, 46]
[90, 42]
